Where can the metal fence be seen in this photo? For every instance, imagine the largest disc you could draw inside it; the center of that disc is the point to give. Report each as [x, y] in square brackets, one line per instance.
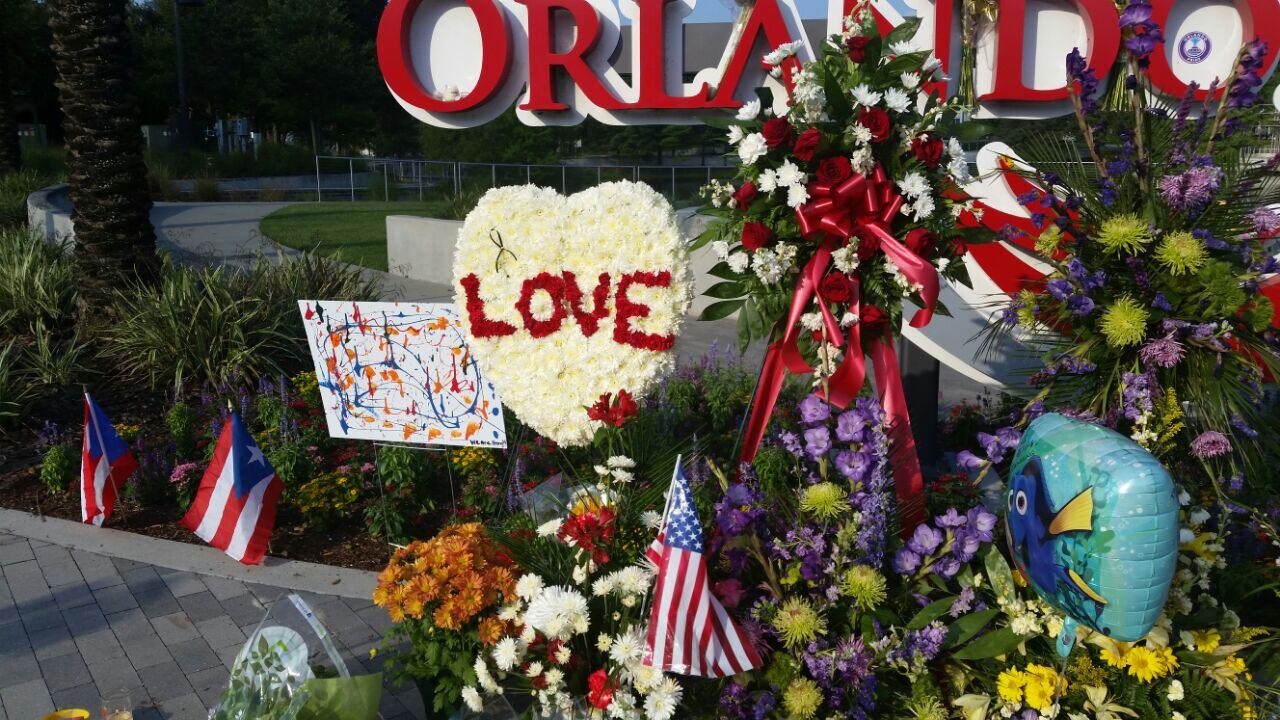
[392, 179]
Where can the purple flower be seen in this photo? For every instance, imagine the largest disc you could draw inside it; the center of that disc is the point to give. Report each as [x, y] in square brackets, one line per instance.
[1084, 79]
[1161, 302]
[791, 443]
[1265, 221]
[951, 519]
[1210, 443]
[947, 567]
[1162, 353]
[906, 562]
[817, 442]
[1191, 190]
[982, 522]
[969, 461]
[962, 604]
[1081, 305]
[925, 540]
[849, 426]
[1136, 13]
[965, 544]
[853, 465]
[1060, 288]
[814, 409]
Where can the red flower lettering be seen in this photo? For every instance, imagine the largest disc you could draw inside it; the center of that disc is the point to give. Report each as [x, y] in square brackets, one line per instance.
[481, 325]
[628, 309]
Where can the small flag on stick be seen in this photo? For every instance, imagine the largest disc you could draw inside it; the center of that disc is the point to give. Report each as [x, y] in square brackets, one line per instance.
[105, 464]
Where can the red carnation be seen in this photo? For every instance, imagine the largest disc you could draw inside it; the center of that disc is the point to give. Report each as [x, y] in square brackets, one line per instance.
[877, 121]
[835, 169]
[873, 320]
[868, 244]
[755, 235]
[777, 132]
[927, 150]
[836, 288]
[922, 242]
[807, 145]
[600, 692]
[745, 195]
[857, 47]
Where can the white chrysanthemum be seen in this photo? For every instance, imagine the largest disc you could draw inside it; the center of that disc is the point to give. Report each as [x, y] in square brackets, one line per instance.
[768, 181]
[923, 208]
[529, 586]
[901, 48]
[766, 266]
[910, 80]
[864, 95]
[1199, 516]
[472, 698]
[603, 585]
[738, 262]
[627, 649]
[790, 174]
[1176, 691]
[897, 100]
[563, 655]
[509, 612]
[862, 159]
[782, 52]
[622, 476]
[845, 259]
[652, 519]
[554, 677]
[634, 580]
[528, 635]
[797, 195]
[914, 185]
[506, 653]
[736, 134]
[484, 677]
[959, 170]
[662, 701]
[558, 612]
[861, 134]
[620, 461]
[752, 148]
[720, 249]
[534, 669]
[848, 319]
[749, 111]
[931, 65]
[603, 642]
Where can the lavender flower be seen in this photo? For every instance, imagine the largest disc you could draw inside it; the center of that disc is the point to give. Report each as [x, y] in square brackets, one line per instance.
[1162, 353]
[925, 540]
[969, 461]
[1084, 80]
[1060, 288]
[1137, 392]
[962, 604]
[1191, 190]
[849, 426]
[1081, 305]
[817, 442]
[1140, 32]
[814, 409]
[906, 562]
[1265, 221]
[1243, 92]
[1210, 443]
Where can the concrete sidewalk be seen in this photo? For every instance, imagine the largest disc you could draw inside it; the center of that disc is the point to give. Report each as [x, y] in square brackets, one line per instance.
[75, 625]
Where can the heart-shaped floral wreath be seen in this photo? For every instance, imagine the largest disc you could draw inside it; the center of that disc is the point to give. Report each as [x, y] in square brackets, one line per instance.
[569, 299]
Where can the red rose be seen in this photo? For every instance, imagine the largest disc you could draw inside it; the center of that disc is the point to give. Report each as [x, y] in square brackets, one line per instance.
[922, 242]
[807, 145]
[777, 131]
[836, 288]
[959, 246]
[868, 244]
[834, 170]
[873, 319]
[745, 195]
[857, 47]
[927, 150]
[755, 235]
[877, 121]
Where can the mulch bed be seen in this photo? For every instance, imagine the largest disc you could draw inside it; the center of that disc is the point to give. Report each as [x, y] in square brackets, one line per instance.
[20, 489]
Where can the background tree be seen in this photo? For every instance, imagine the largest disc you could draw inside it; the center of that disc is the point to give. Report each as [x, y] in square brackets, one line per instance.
[115, 241]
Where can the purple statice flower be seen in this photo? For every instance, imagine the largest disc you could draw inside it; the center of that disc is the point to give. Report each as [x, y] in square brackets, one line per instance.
[1265, 221]
[1083, 79]
[1243, 427]
[962, 604]
[734, 701]
[1161, 302]
[1163, 352]
[1081, 305]
[1190, 191]
[918, 647]
[817, 442]
[791, 443]
[1209, 240]
[1060, 288]
[1236, 483]
[814, 409]
[1138, 391]
[1210, 443]
[925, 540]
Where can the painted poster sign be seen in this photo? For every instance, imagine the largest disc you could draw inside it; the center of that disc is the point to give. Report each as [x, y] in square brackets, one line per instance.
[400, 372]
[461, 63]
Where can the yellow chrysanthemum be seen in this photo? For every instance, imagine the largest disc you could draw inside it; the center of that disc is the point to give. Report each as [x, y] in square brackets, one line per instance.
[1049, 241]
[1027, 309]
[865, 585]
[824, 500]
[1125, 323]
[802, 699]
[1168, 661]
[1043, 684]
[1123, 233]
[1010, 685]
[1144, 664]
[1206, 640]
[1117, 658]
[1182, 253]
[798, 623]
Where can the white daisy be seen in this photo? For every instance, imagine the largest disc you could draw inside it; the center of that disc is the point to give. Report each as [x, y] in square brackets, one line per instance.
[652, 519]
[472, 698]
[782, 52]
[550, 527]
[528, 586]
[505, 654]
[768, 181]
[901, 48]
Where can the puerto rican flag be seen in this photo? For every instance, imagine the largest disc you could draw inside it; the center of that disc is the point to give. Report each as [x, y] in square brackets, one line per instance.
[235, 506]
[105, 463]
[689, 631]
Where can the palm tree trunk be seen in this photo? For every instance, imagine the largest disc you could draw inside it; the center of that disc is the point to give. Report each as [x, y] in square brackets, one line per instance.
[10, 151]
[115, 242]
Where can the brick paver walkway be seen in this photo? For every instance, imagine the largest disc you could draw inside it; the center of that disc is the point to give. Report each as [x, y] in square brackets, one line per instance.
[75, 625]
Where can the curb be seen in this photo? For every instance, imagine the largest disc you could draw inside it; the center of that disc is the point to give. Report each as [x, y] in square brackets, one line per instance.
[203, 560]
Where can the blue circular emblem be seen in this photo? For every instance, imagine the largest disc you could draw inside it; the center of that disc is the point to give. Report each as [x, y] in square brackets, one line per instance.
[1194, 47]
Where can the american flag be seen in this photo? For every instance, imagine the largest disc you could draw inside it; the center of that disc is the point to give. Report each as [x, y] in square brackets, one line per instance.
[689, 631]
[235, 507]
[105, 463]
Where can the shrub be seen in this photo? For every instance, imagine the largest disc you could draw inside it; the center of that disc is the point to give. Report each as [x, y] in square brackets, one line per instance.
[15, 390]
[57, 362]
[326, 499]
[38, 284]
[183, 428]
[457, 207]
[206, 189]
[58, 469]
[14, 189]
[163, 187]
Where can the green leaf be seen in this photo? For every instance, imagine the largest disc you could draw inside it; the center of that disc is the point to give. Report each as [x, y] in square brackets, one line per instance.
[726, 290]
[722, 271]
[1001, 576]
[717, 120]
[721, 310]
[993, 644]
[903, 32]
[930, 612]
[964, 628]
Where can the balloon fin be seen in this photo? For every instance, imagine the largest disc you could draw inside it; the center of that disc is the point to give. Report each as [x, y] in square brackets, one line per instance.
[1076, 515]
[1083, 587]
[1067, 638]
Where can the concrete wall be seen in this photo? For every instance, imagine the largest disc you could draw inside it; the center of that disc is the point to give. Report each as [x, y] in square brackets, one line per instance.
[49, 213]
[422, 249]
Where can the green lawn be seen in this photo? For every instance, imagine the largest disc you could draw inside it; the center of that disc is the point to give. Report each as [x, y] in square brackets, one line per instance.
[354, 231]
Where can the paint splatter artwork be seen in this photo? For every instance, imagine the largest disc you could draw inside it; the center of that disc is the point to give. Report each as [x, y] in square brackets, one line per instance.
[400, 372]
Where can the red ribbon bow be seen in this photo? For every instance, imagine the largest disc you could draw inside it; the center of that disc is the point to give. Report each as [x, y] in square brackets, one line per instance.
[860, 205]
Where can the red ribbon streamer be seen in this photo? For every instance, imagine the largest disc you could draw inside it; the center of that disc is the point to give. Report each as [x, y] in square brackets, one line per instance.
[863, 205]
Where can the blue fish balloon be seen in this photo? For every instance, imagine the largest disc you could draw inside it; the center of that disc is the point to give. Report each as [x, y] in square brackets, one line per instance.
[1093, 527]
